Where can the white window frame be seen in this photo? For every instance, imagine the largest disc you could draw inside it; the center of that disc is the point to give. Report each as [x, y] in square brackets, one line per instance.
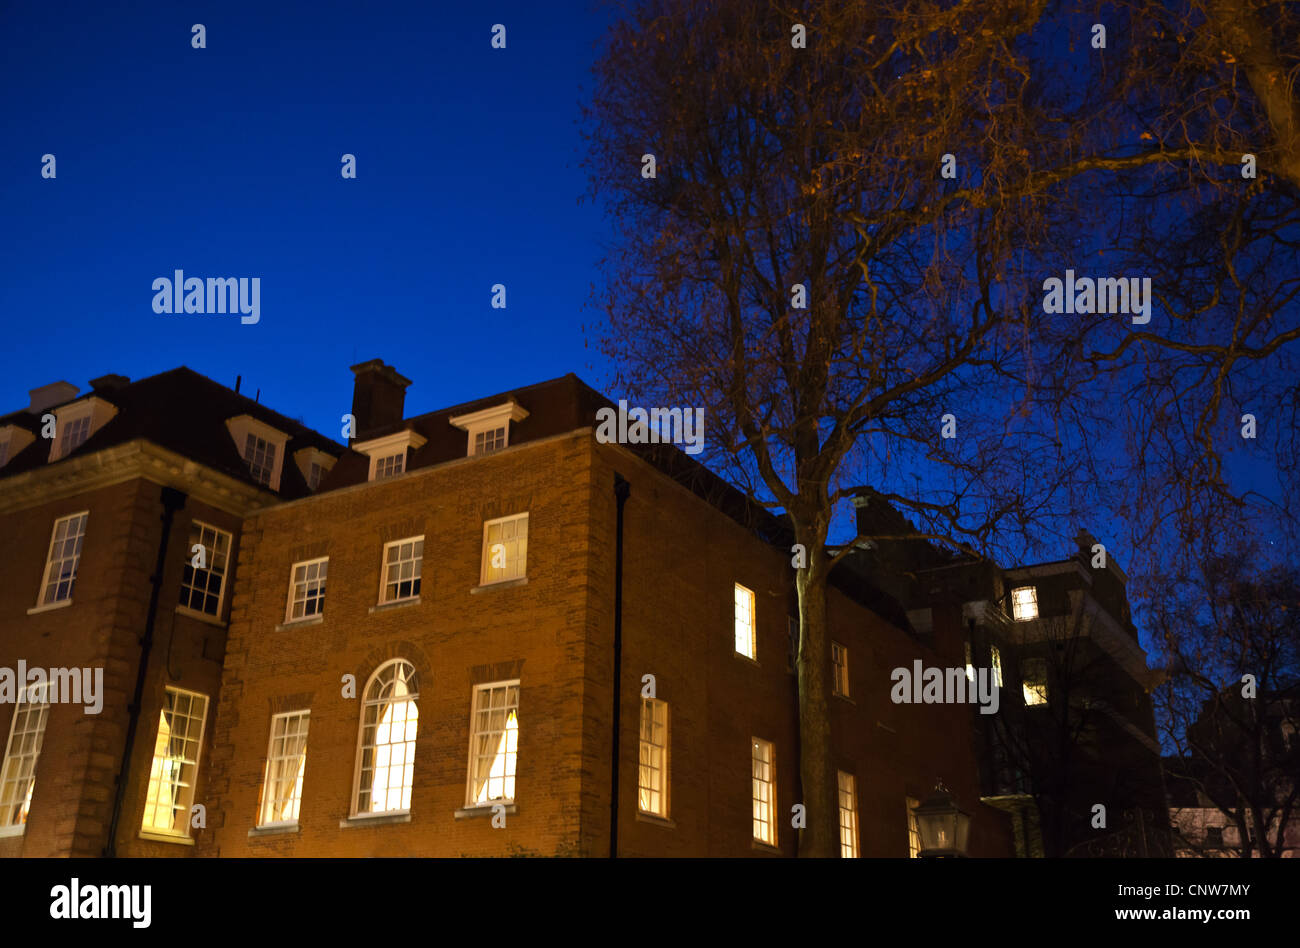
[839, 669]
[260, 456]
[488, 420]
[31, 715]
[516, 566]
[996, 658]
[507, 746]
[321, 580]
[95, 411]
[748, 634]
[286, 748]
[1026, 610]
[389, 465]
[764, 810]
[848, 798]
[153, 797]
[415, 579]
[411, 700]
[210, 555]
[240, 427]
[42, 600]
[652, 761]
[378, 449]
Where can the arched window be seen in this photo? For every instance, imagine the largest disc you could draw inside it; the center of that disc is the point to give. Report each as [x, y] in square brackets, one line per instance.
[386, 752]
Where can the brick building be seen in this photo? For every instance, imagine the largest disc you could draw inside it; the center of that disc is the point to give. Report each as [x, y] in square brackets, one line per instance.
[102, 496]
[412, 645]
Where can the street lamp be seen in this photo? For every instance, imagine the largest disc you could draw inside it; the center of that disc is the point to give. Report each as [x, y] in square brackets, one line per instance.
[942, 825]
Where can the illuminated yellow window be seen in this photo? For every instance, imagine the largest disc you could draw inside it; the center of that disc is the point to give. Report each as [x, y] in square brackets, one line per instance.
[848, 815]
[913, 830]
[764, 782]
[174, 771]
[390, 718]
[493, 743]
[744, 621]
[1024, 603]
[286, 762]
[652, 787]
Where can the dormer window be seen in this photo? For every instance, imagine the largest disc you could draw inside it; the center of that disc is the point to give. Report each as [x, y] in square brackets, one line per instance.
[489, 430]
[388, 454]
[261, 447]
[314, 464]
[389, 466]
[13, 440]
[259, 454]
[75, 423]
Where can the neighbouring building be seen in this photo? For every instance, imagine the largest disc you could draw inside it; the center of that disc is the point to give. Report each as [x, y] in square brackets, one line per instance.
[1075, 728]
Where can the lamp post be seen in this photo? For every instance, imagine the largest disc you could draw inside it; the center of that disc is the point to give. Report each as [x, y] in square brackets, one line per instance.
[942, 825]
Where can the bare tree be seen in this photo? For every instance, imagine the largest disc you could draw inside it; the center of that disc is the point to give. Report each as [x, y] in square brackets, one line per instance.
[835, 220]
[1238, 737]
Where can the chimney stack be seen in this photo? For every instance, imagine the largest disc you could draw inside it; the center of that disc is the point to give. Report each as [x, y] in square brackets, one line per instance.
[47, 396]
[378, 396]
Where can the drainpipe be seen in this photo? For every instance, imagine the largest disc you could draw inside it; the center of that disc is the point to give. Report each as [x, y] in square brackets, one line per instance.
[172, 500]
[622, 489]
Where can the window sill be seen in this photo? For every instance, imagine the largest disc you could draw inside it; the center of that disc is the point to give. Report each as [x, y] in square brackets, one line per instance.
[62, 604]
[294, 623]
[395, 604]
[201, 616]
[499, 584]
[167, 838]
[655, 820]
[762, 847]
[745, 658]
[272, 830]
[10, 831]
[485, 809]
[361, 819]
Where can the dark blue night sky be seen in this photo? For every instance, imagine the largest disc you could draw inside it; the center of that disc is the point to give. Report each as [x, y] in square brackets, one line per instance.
[225, 161]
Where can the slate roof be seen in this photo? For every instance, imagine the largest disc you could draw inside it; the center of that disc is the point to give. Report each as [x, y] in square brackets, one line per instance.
[182, 411]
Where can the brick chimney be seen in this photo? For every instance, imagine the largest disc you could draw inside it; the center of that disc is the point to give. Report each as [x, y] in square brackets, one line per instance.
[56, 393]
[378, 396]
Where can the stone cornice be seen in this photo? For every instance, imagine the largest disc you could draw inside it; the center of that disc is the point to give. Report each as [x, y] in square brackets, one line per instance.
[124, 462]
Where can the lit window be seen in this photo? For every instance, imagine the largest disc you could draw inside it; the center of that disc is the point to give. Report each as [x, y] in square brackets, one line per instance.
[486, 442]
[493, 743]
[307, 589]
[402, 560]
[314, 474]
[848, 816]
[1024, 603]
[505, 549]
[1035, 680]
[840, 665]
[764, 771]
[65, 554]
[913, 829]
[18, 776]
[389, 466]
[75, 432]
[970, 666]
[203, 586]
[386, 756]
[175, 765]
[744, 621]
[260, 455]
[997, 666]
[653, 782]
[286, 760]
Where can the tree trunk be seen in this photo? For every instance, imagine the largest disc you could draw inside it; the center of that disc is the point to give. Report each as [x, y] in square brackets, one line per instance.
[820, 790]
